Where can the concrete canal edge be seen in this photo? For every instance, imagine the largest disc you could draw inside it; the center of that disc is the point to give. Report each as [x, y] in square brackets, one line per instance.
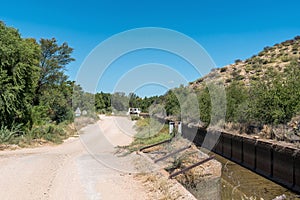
[198, 174]
[277, 162]
[184, 193]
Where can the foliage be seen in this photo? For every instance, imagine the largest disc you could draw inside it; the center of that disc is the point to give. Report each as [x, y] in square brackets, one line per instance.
[238, 61]
[39, 115]
[147, 102]
[53, 89]
[204, 105]
[6, 134]
[146, 136]
[53, 61]
[106, 102]
[84, 100]
[134, 117]
[171, 103]
[103, 103]
[57, 99]
[276, 100]
[237, 99]
[148, 127]
[50, 132]
[18, 76]
[35, 93]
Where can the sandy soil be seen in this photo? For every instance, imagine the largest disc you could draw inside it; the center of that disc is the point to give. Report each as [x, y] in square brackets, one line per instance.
[80, 168]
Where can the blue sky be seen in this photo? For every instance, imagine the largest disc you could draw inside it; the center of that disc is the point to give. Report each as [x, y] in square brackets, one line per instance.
[227, 30]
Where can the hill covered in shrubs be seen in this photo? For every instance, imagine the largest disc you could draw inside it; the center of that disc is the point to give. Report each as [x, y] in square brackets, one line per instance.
[261, 92]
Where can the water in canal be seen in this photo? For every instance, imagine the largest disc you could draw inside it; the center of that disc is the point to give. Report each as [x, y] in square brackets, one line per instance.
[240, 183]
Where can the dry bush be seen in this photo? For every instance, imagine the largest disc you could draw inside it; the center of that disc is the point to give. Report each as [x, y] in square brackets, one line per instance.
[158, 186]
[267, 132]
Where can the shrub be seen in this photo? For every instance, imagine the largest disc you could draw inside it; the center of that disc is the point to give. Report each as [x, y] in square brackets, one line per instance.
[265, 61]
[39, 115]
[135, 117]
[234, 73]
[223, 69]
[6, 134]
[228, 80]
[50, 132]
[248, 68]
[276, 100]
[238, 61]
[236, 95]
[267, 48]
[285, 59]
[254, 78]
[239, 77]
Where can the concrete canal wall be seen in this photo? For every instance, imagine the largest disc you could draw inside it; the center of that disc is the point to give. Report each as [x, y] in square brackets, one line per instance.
[276, 162]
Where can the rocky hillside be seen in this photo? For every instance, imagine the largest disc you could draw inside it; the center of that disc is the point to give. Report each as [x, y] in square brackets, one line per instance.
[261, 92]
[256, 67]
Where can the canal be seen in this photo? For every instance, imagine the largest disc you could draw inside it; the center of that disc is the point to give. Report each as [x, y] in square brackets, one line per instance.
[240, 183]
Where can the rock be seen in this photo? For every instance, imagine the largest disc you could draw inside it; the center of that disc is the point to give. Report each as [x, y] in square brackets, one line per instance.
[281, 197]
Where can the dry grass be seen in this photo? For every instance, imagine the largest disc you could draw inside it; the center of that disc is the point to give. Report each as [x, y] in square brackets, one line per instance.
[159, 187]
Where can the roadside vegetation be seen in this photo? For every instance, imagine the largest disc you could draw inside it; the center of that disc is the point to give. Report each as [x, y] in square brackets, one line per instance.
[35, 93]
[149, 131]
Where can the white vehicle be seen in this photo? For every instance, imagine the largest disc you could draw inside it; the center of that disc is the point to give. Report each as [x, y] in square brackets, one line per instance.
[134, 111]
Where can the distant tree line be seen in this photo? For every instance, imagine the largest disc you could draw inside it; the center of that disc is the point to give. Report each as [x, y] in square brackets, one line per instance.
[119, 101]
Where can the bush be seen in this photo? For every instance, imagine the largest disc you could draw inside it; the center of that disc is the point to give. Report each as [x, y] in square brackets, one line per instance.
[39, 115]
[238, 61]
[248, 68]
[297, 37]
[134, 117]
[267, 48]
[204, 105]
[239, 77]
[234, 73]
[276, 100]
[228, 80]
[237, 96]
[285, 59]
[6, 134]
[50, 132]
[223, 69]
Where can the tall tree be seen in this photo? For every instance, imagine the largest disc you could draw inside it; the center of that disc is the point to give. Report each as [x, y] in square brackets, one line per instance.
[53, 91]
[19, 74]
[53, 61]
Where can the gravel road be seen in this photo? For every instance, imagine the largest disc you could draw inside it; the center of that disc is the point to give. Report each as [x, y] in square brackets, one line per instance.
[80, 168]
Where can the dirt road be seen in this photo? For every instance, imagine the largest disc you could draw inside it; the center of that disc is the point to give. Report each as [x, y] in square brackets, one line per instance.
[80, 168]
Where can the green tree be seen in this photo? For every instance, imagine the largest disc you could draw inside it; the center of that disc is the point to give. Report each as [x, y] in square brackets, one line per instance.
[171, 102]
[120, 102]
[204, 105]
[19, 74]
[237, 100]
[146, 102]
[53, 90]
[276, 99]
[103, 102]
[53, 61]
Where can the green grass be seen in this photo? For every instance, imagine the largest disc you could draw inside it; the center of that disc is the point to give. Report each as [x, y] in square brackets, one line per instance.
[148, 135]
